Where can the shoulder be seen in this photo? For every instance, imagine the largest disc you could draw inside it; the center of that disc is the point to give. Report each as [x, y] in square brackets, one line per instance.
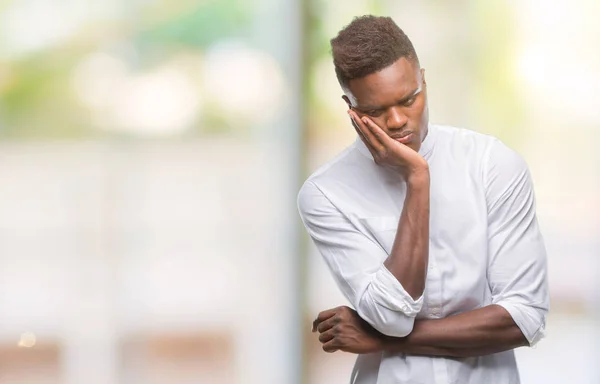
[462, 139]
[338, 166]
[501, 160]
[505, 173]
[488, 151]
[336, 171]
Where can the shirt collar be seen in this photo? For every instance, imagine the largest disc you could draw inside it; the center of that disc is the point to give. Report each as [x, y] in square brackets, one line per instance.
[425, 150]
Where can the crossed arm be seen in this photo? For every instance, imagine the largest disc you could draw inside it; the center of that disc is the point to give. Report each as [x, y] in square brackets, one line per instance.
[475, 333]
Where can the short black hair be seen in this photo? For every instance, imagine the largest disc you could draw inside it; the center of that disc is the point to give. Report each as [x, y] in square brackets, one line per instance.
[367, 45]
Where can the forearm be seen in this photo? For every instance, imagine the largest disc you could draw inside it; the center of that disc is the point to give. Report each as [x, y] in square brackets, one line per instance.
[410, 252]
[475, 333]
[452, 352]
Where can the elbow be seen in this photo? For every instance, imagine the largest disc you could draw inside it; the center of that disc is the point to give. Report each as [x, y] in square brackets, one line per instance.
[402, 329]
[390, 320]
[530, 321]
[538, 329]
[386, 322]
[387, 306]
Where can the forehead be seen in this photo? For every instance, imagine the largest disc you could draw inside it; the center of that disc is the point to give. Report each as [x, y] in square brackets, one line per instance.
[386, 86]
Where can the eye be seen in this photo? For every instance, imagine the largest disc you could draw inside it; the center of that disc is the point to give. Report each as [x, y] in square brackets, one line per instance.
[374, 112]
[410, 101]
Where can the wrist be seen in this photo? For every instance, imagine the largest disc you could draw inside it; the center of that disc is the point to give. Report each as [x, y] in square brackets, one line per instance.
[419, 176]
[393, 344]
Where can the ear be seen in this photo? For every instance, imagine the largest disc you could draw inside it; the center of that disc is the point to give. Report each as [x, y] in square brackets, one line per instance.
[347, 100]
[423, 76]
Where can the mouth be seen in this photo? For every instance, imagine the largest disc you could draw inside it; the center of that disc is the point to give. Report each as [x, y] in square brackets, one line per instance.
[404, 138]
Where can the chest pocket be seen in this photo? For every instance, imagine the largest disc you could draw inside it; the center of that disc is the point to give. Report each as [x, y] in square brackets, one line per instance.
[382, 230]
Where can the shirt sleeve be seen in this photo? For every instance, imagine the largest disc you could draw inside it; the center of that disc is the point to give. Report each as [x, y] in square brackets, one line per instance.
[517, 271]
[356, 263]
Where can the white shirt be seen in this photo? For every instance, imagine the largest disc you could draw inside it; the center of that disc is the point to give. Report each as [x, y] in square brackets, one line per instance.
[485, 248]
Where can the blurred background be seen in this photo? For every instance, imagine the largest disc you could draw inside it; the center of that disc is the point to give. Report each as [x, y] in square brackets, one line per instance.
[151, 152]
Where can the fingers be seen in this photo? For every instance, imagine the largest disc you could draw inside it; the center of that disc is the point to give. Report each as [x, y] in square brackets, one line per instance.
[327, 324]
[377, 132]
[366, 132]
[373, 151]
[357, 129]
[322, 317]
[330, 346]
[327, 336]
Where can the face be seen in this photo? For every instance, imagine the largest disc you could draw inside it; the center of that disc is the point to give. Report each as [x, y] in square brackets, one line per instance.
[395, 98]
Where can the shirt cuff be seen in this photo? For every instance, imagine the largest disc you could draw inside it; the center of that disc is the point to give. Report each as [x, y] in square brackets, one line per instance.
[388, 292]
[529, 321]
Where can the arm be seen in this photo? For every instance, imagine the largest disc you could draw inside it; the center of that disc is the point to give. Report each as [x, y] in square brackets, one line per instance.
[357, 265]
[517, 270]
[386, 290]
[409, 257]
[410, 252]
[475, 333]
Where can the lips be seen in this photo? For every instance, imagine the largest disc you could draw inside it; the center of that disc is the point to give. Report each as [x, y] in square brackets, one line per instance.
[404, 138]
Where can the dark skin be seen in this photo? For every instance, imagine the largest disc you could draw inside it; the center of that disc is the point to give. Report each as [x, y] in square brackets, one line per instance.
[479, 332]
[394, 99]
[383, 106]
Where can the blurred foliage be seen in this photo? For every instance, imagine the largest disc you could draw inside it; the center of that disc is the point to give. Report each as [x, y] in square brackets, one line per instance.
[36, 97]
[498, 106]
[38, 92]
[198, 26]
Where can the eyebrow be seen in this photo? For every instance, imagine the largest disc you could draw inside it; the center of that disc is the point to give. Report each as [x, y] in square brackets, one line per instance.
[401, 101]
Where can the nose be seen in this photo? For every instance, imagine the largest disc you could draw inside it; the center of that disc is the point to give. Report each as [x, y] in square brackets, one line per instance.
[397, 119]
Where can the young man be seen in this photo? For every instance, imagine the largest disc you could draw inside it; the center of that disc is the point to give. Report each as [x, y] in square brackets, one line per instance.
[430, 231]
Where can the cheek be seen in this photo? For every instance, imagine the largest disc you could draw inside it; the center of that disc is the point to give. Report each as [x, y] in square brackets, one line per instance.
[381, 121]
[416, 113]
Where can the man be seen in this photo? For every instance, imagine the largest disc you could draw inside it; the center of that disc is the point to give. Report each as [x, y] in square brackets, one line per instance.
[430, 231]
